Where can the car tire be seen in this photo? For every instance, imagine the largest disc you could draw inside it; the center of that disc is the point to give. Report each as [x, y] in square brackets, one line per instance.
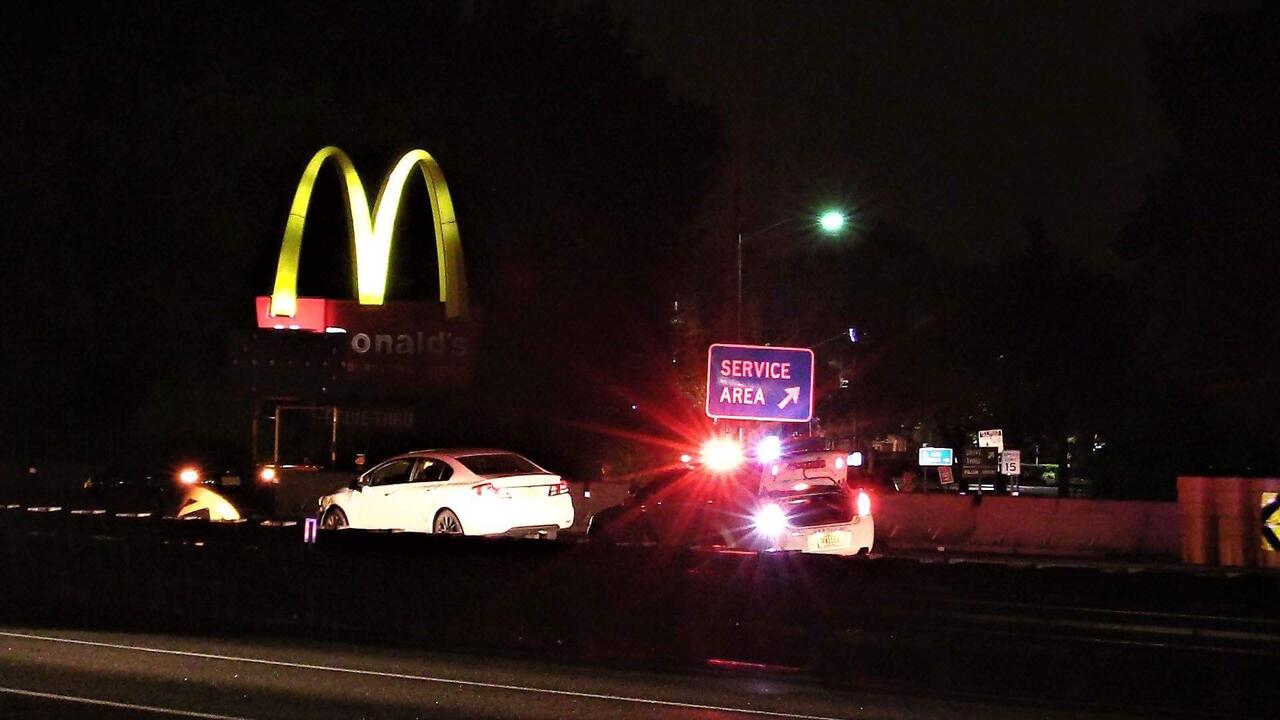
[598, 533]
[446, 522]
[334, 519]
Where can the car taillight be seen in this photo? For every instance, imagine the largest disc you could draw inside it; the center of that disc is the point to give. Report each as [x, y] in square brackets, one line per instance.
[489, 490]
[864, 504]
[560, 488]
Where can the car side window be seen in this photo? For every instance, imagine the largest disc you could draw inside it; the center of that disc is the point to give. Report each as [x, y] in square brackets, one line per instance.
[391, 473]
[432, 470]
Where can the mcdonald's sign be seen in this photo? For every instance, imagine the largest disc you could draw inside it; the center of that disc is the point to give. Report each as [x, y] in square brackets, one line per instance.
[367, 343]
[371, 232]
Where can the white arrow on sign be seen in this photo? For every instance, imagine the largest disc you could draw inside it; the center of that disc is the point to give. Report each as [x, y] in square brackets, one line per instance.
[792, 396]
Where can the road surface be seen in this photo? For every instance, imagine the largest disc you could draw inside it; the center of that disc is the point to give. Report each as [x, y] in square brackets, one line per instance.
[59, 673]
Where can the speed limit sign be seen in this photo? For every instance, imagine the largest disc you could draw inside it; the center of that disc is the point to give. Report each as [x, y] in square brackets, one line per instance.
[1011, 462]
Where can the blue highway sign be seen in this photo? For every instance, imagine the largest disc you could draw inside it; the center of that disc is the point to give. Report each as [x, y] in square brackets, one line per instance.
[754, 382]
[936, 457]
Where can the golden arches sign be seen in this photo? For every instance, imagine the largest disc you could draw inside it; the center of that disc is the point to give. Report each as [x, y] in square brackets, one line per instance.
[371, 233]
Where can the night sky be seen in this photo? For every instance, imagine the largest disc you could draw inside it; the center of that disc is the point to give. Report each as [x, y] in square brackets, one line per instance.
[961, 120]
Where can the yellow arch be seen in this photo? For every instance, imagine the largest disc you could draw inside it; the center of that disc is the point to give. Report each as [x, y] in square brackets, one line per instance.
[372, 237]
[284, 297]
[453, 277]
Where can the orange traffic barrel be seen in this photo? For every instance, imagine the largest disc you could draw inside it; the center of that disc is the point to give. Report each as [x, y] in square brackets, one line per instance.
[1236, 527]
[1196, 521]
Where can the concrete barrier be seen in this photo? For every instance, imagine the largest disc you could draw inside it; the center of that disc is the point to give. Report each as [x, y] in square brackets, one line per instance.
[1030, 526]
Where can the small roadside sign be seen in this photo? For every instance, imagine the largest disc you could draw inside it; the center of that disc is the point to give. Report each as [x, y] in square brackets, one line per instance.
[991, 438]
[1011, 462]
[936, 457]
[946, 476]
[979, 462]
[759, 382]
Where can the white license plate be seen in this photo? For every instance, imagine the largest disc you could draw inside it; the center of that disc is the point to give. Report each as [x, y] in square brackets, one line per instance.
[830, 540]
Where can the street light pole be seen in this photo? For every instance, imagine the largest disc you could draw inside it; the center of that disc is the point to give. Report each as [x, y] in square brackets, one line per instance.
[738, 336]
[831, 222]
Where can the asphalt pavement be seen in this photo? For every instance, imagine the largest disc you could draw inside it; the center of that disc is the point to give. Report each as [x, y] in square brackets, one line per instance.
[60, 673]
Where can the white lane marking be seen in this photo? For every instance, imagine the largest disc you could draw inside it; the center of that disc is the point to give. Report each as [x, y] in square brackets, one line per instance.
[120, 705]
[420, 678]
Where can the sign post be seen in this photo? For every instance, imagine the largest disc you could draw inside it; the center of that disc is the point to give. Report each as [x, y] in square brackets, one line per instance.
[934, 457]
[755, 382]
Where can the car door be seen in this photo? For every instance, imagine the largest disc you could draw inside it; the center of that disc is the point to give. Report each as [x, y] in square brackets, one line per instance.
[380, 497]
[695, 509]
[664, 509]
[419, 499]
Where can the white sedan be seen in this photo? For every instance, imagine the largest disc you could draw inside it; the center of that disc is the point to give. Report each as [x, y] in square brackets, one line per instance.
[454, 492]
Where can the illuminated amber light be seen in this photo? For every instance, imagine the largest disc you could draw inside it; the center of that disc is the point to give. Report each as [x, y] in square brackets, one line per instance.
[371, 233]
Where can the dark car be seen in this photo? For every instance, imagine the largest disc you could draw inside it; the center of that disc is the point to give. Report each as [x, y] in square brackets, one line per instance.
[161, 488]
[130, 488]
[802, 502]
[682, 506]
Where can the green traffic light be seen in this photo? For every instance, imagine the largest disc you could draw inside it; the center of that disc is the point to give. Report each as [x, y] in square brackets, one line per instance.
[832, 221]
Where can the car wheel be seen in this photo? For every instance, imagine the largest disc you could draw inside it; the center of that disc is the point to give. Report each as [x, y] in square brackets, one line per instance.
[598, 533]
[334, 519]
[446, 523]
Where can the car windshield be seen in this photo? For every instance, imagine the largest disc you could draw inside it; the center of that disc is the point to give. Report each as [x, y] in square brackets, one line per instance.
[500, 464]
